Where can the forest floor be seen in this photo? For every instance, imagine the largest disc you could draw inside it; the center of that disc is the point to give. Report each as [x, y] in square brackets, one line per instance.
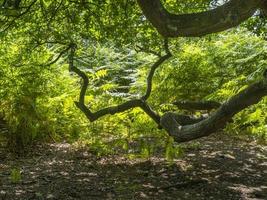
[220, 168]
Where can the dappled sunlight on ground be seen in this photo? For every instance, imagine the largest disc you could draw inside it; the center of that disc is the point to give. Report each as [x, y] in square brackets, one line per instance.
[218, 168]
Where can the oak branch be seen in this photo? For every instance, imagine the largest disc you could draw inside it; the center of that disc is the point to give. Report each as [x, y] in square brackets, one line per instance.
[219, 19]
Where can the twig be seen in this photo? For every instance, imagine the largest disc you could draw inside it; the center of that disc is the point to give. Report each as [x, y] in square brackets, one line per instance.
[154, 67]
[148, 51]
[58, 57]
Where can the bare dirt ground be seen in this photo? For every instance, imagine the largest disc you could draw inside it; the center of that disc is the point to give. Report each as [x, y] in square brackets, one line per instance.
[219, 168]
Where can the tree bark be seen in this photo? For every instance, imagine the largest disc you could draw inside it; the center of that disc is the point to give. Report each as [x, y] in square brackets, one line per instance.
[249, 96]
[183, 120]
[219, 19]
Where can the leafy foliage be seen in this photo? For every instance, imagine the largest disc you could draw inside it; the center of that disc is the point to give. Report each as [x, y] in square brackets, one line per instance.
[114, 45]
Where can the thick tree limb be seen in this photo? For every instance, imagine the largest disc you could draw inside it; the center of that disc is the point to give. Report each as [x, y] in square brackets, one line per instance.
[221, 18]
[249, 96]
[197, 105]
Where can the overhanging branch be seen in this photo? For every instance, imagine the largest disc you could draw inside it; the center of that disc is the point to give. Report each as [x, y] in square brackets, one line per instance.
[249, 96]
[219, 19]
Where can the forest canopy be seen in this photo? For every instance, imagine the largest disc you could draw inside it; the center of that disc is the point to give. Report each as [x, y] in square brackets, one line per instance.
[169, 70]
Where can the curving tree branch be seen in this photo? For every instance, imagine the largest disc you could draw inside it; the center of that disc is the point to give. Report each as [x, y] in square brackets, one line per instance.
[154, 67]
[182, 133]
[140, 103]
[221, 18]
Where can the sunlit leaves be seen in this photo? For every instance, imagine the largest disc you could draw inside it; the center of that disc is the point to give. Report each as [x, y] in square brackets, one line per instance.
[187, 6]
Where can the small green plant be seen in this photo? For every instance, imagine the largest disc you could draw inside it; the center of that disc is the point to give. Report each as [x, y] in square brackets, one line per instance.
[15, 175]
[172, 150]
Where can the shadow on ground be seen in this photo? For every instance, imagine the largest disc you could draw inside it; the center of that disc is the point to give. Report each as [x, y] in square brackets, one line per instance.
[219, 168]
